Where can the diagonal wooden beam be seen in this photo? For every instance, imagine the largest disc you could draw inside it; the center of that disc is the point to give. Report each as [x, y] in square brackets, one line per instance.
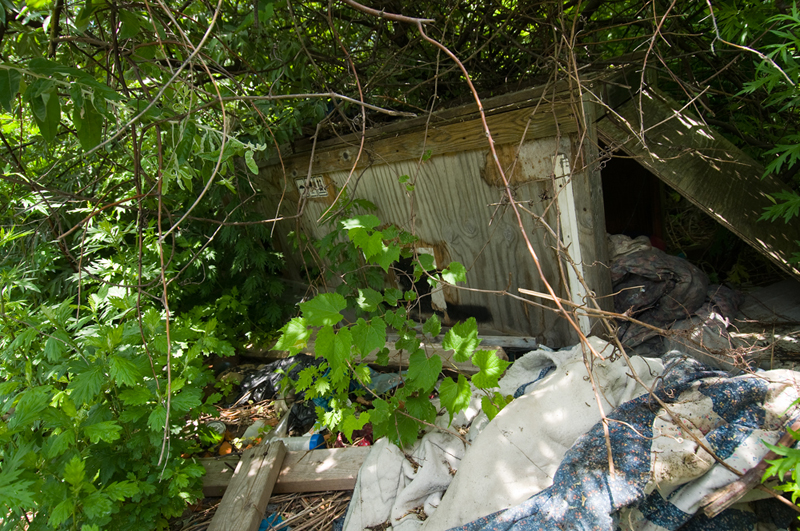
[243, 505]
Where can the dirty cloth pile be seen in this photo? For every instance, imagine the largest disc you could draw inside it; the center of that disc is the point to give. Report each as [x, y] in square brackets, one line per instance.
[669, 292]
[542, 462]
[510, 458]
[662, 474]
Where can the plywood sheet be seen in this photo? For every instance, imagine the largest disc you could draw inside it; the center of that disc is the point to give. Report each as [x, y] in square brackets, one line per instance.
[704, 167]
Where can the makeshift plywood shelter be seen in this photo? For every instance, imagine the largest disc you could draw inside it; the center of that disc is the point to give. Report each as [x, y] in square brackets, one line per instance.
[458, 209]
[547, 143]
[699, 163]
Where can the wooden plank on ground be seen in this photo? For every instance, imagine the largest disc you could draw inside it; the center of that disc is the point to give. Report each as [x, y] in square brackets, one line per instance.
[312, 471]
[243, 505]
[321, 470]
[705, 168]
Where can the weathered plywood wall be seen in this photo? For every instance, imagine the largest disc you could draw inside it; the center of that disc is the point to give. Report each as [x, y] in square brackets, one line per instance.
[458, 207]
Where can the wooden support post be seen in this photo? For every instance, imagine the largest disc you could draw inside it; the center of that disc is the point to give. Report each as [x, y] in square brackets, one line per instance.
[243, 505]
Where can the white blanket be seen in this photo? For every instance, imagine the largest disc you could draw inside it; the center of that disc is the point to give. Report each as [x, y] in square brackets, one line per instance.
[514, 457]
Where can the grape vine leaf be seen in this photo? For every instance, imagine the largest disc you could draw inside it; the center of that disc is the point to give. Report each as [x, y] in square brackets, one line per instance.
[366, 221]
[454, 273]
[369, 336]
[369, 299]
[392, 295]
[432, 326]
[491, 368]
[488, 407]
[387, 256]
[462, 339]
[352, 423]
[423, 371]
[324, 309]
[403, 429]
[371, 244]
[420, 407]
[455, 396]
[294, 336]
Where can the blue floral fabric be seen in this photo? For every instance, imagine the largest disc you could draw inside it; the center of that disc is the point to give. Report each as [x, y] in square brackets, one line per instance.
[585, 496]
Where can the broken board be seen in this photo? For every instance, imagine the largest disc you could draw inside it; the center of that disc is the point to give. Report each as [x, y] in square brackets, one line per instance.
[243, 505]
[704, 167]
[310, 471]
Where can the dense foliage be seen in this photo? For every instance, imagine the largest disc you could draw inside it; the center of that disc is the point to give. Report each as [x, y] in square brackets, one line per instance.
[131, 241]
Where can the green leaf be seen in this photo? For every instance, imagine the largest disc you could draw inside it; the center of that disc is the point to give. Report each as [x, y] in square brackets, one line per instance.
[294, 336]
[136, 396]
[426, 261]
[85, 15]
[369, 299]
[403, 179]
[61, 513]
[366, 221]
[491, 368]
[47, 114]
[423, 371]
[380, 411]
[455, 396]
[56, 445]
[120, 490]
[488, 407]
[157, 418]
[352, 423]
[107, 431]
[86, 385]
[74, 471]
[336, 350]
[432, 326]
[396, 318]
[130, 25]
[324, 309]
[392, 295]
[185, 147]
[32, 402]
[97, 505]
[462, 339]
[420, 407]
[382, 358]
[454, 273]
[250, 161]
[54, 349]
[188, 399]
[404, 430]
[387, 256]
[369, 336]
[124, 371]
[370, 244]
[9, 86]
